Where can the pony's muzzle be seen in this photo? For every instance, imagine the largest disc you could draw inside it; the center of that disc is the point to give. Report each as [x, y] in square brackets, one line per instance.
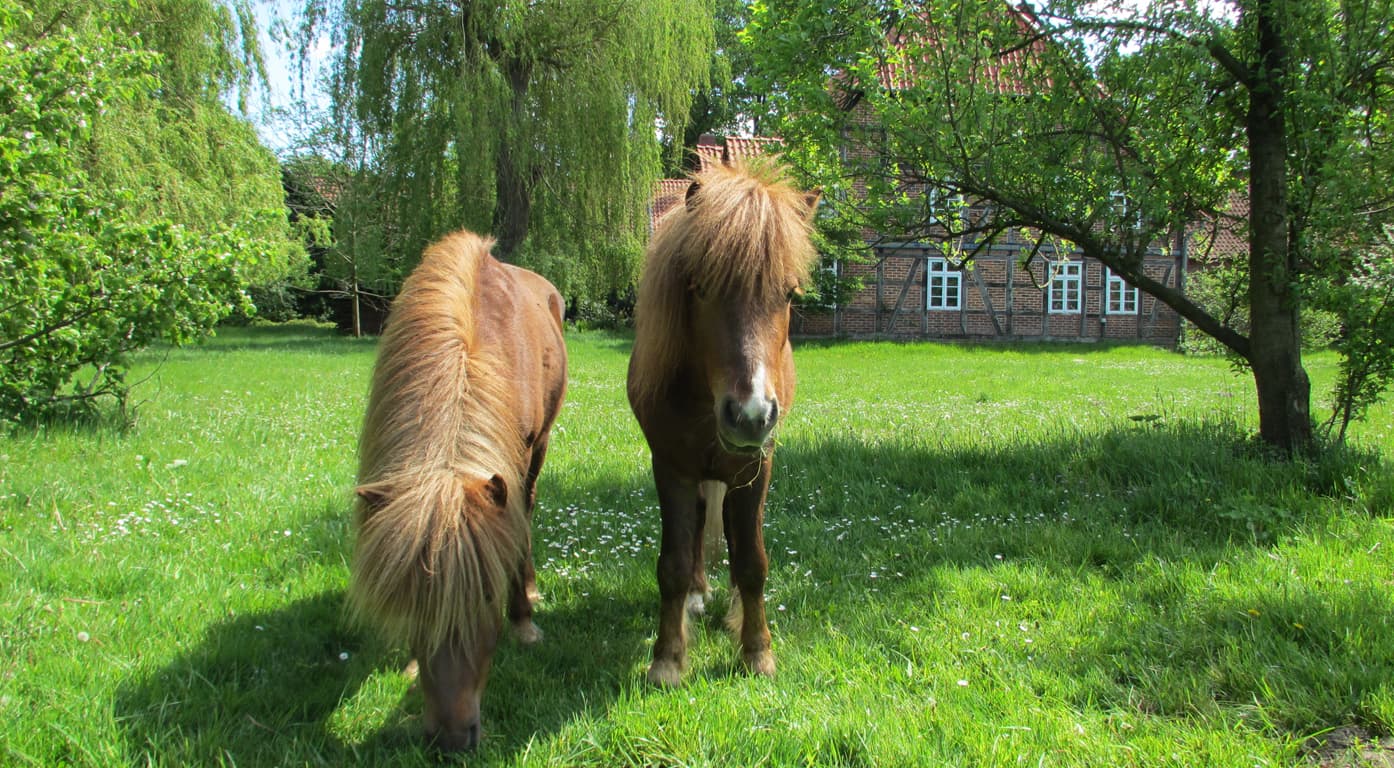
[459, 738]
[746, 426]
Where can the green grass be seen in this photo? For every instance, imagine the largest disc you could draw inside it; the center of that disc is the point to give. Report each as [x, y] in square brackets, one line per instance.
[1034, 555]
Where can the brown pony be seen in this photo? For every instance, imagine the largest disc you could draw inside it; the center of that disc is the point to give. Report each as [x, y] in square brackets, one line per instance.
[471, 371]
[711, 375]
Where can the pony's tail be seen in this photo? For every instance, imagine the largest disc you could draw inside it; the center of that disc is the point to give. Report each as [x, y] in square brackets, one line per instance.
[434, 556]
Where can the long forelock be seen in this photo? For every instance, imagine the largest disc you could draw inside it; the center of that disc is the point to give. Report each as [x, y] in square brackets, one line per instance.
[744, 237]
[747, 233]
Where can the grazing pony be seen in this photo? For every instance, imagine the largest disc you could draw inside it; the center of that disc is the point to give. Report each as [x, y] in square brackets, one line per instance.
[471, 371]
[710, 377]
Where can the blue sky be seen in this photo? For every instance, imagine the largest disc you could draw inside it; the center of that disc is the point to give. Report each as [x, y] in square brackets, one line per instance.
[282, 79]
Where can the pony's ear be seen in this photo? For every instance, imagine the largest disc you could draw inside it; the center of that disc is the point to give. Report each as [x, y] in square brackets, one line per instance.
[373, 494]
[691, 193]
[496, 490]
[810, 201]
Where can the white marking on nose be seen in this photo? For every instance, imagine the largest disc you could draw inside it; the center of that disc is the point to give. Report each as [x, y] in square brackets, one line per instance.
[757, 407]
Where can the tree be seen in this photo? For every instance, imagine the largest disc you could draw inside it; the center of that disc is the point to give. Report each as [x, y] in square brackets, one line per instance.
[175, 150]
[535, 122]
[88, 272]
[727, 104]
[1110, 133]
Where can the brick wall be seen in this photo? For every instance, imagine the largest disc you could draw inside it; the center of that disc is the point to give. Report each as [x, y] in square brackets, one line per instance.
[998, 300]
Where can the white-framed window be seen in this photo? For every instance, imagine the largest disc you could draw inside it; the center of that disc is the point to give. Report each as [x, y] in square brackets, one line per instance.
[825, 281]
[1119, 297]
[943, 285]
[1125, 208]
[948, 209]
[1065, 294]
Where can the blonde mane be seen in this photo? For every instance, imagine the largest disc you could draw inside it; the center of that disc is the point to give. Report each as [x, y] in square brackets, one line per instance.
[431, 565]
[743, 235]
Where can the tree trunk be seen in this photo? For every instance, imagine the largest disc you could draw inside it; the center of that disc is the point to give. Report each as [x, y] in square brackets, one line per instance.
[514, 174]
[512, 203]
[1275, 349]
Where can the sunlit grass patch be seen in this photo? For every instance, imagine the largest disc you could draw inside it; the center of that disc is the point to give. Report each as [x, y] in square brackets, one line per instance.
[979, 556]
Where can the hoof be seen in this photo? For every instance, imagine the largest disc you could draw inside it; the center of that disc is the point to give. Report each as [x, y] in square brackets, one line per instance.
[412, 670]
[696, 603]
[527, 633]
[665, 674]
[760, 663]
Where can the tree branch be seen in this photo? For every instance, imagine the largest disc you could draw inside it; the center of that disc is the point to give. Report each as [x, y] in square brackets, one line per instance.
[25, 339]
[1234, 66]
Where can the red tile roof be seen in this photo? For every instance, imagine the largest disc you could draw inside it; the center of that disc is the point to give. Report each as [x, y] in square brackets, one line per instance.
[711, 151]
[738, 148]
[667, 194]
[1008, 72]
[708, 155]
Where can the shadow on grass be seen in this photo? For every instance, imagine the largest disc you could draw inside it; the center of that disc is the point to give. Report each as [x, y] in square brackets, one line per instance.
[1111, 511]
[290, 337]
[1141, 519]
[1202, 484]
[255, 690]
[279, 687]
[1285, 655]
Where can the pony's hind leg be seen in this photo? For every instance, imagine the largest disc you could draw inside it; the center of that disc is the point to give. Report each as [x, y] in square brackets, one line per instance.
[706, 545]
[677, 499]
[744, 517]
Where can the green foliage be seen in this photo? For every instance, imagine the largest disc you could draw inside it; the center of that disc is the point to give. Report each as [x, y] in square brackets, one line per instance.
[89, 272]
[934, 111]
[1111, 129]
[313, 187]
[614, 313]
[174, 150]
[838, 244]
[1365, 302]
[1222, 290]
[728, 103]
[200, 167]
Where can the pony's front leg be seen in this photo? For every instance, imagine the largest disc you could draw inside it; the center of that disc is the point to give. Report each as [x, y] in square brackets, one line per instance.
[522, 587]
[677, 498]
[745, 514]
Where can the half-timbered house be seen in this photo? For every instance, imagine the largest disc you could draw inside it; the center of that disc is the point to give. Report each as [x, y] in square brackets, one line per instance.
[914, 290]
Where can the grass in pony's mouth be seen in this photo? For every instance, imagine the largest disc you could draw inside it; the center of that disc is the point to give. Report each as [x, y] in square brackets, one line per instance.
[968, 566]
[742, 450]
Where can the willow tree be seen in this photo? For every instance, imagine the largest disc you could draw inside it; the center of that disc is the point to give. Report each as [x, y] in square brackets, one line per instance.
[727, 104]
[538, 122]
[176, 150]
[1112, 132]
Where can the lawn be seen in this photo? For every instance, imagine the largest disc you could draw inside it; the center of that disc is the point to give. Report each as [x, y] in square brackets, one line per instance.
[1029, 555]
